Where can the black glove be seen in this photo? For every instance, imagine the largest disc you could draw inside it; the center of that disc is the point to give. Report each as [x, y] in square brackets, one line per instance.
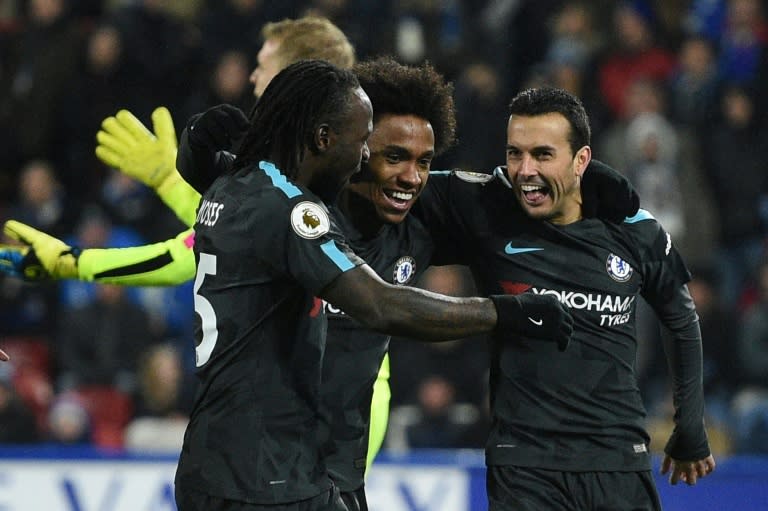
[531, 315]
[220, 128]
[607, 194]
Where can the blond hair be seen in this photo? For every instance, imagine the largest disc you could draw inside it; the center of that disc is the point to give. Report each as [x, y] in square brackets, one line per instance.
[310, 37]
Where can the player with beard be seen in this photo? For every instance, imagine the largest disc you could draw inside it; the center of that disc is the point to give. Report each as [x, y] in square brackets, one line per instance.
[568, 431]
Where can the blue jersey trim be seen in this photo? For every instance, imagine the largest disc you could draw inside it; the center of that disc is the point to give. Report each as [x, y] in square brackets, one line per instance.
[641, 215]
[279, 180]
[337, 256]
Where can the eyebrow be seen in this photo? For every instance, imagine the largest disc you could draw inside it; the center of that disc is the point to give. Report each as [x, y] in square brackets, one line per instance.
[536, 150]
[402, 151]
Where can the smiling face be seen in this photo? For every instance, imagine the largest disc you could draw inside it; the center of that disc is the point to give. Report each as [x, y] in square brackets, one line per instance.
[402, 148]
[542, 168]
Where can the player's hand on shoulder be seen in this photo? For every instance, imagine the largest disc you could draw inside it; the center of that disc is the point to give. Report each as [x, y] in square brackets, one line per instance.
[531, 315]
[220, 128]
[607, 194]
[688, 472]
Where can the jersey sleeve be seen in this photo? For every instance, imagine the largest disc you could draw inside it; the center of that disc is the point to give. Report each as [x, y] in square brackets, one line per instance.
[167, 263]
[302, 239]
[665, 276]
[664, 270]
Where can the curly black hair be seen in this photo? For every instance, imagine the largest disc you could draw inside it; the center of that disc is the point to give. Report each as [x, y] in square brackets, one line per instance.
[421, 91]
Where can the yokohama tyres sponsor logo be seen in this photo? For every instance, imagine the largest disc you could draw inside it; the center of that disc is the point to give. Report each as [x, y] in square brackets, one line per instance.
[595, 302]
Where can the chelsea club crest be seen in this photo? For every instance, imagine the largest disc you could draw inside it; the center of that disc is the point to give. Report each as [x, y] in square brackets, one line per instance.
[618, 268]
[405, 267]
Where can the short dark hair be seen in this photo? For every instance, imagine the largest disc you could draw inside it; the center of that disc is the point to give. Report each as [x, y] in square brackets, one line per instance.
[421, 91]
[547, 100]
[297, 100]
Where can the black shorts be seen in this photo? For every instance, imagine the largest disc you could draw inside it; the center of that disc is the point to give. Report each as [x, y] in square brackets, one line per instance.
[533, 489]
[194, 501]
[355, 500]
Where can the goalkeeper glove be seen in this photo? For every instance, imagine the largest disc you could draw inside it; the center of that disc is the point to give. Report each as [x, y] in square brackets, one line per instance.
[43, 256]
[21, 262]
[607, 194]
[530, 315]
[126, 144]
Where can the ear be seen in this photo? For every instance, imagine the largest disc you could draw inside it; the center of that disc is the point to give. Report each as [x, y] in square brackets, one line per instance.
[322, 137]
[583, 157]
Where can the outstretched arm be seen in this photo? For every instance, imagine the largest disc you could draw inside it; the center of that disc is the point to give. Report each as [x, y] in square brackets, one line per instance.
[427, 316]
[42, 256]
[127, 145]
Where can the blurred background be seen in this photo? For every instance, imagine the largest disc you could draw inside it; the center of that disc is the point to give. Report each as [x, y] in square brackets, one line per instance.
[675, 91]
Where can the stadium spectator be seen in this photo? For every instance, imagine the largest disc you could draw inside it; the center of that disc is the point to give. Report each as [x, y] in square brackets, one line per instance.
[750, 405]
[100, 343]
[738, 142]
[17, 420]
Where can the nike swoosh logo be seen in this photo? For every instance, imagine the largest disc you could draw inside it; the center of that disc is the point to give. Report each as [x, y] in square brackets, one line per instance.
[537, 322]
[509, 249]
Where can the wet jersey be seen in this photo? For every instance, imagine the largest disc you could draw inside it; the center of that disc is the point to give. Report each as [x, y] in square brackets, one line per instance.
[580, 410]
[264, 248]
[353, 354]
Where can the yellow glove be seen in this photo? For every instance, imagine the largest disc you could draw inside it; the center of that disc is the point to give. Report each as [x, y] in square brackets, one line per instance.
[126, 144]
[58, 259]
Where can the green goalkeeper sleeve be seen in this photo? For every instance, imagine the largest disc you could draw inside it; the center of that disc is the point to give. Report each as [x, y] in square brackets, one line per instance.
[379, 412]
[167, 263]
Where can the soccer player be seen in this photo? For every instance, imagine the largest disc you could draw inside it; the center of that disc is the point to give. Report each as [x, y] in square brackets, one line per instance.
[266, 248]
[568, 431]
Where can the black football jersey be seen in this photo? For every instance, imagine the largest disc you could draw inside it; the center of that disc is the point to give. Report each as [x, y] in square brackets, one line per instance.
[264, 248]
[398, 254]
[579, 410]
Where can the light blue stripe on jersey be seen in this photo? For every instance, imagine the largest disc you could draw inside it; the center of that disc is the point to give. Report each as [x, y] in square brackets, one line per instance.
[279, 180]
[337, 256]
[641, 215]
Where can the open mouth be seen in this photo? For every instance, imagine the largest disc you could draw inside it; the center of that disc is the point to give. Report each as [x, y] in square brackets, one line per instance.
[533, 193]
[398, 199]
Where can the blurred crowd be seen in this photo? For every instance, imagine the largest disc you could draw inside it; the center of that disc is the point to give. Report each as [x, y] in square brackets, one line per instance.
[674, 89]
